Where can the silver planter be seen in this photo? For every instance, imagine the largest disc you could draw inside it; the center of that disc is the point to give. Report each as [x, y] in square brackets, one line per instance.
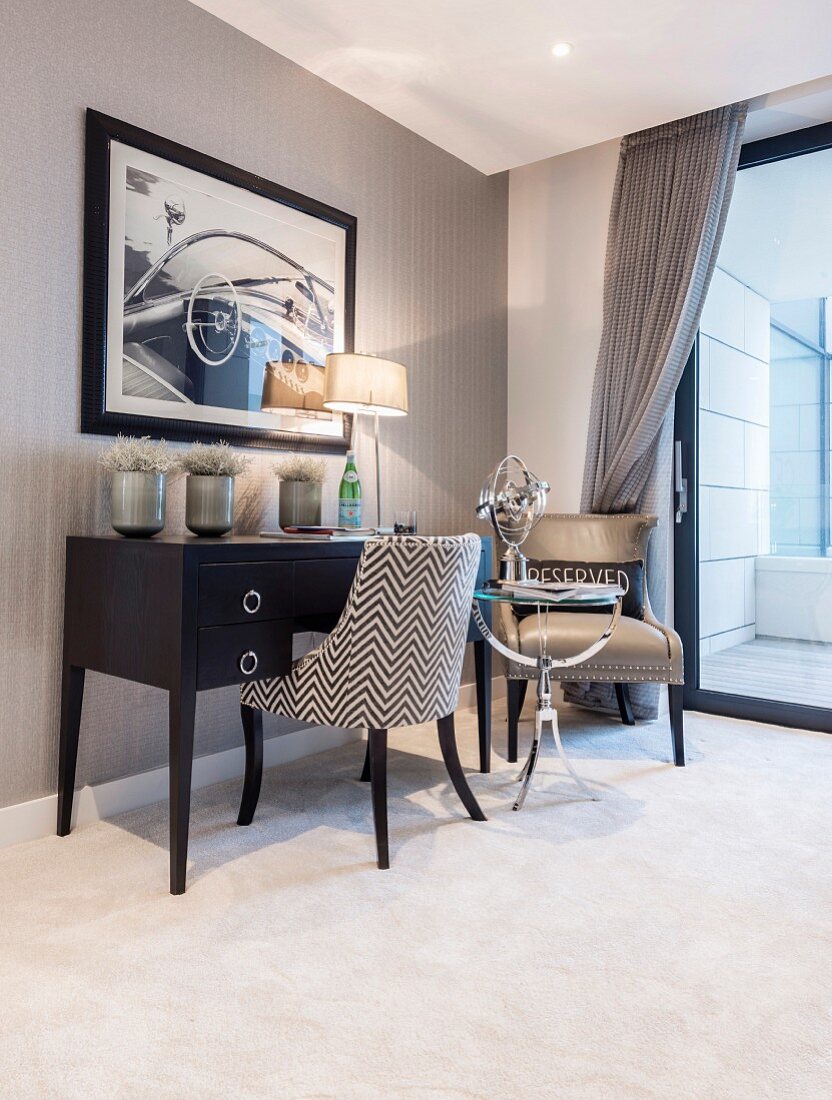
[299, 503]
[209, 504]
[138, 503]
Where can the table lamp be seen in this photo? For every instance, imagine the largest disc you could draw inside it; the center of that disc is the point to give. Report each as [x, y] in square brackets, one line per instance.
[366, 384]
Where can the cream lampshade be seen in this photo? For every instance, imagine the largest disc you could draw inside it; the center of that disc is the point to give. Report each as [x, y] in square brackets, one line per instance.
[366, 384]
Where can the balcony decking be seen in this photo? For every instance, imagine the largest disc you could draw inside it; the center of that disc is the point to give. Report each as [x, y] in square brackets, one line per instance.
[785, 669]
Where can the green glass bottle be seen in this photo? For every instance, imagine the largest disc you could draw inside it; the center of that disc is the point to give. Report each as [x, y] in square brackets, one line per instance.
[349, 495]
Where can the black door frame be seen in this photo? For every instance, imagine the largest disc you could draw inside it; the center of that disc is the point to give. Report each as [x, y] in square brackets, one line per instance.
[686, 544]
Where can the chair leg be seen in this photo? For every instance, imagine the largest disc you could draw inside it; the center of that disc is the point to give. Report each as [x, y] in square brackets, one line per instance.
[625, 708]
[365, 771]
[677, 722]
[252, 719]
[516, 694]
[447, 743]
[377, 743]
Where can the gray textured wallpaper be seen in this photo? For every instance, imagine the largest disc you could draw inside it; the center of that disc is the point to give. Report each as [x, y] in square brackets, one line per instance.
[431, 292]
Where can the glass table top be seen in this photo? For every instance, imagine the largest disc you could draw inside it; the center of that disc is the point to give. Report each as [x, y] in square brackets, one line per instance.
[569, 595]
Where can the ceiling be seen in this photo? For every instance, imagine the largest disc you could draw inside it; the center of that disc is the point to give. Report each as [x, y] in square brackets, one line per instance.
[778, 236]
[477, 77]
[789, 109]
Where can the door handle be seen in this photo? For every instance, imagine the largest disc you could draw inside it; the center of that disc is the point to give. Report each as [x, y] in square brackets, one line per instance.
[680, 483]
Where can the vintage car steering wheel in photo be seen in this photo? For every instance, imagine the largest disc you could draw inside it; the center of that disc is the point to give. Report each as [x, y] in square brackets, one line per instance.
[217, 321]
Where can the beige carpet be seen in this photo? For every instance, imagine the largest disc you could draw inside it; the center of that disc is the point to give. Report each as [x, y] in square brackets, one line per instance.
[672, 940]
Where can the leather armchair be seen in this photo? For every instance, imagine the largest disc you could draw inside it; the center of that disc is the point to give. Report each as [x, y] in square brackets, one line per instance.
[640, 651]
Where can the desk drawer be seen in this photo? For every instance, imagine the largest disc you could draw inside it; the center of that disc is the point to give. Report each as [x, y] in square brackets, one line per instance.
[265, 650]
[322, 585]
[244, 592]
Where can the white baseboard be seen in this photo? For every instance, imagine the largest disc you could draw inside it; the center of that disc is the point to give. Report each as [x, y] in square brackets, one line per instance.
[468, 692]
[31, 820]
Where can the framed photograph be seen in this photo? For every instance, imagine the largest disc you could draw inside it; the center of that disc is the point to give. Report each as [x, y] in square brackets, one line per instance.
[211, 298]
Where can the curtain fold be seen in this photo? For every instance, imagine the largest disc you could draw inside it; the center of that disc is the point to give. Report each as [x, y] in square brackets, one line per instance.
[672, 192]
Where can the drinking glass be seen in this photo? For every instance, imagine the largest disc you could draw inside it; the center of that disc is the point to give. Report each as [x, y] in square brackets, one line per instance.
[404, 523]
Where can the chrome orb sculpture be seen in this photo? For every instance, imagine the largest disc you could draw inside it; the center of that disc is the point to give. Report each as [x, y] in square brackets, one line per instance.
[513, 499]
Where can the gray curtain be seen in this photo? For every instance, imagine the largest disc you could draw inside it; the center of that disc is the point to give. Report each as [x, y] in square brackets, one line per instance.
[671, 198]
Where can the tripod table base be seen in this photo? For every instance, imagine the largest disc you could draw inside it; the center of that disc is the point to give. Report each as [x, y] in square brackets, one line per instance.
[544, 713]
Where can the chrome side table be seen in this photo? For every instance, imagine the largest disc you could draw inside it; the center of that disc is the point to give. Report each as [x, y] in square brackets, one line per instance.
[589, 595]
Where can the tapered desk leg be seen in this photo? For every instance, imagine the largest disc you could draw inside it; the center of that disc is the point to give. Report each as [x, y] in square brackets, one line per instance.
[482, 666]
[515, 697]
[181, 710]
[72, 697]
[252, 719]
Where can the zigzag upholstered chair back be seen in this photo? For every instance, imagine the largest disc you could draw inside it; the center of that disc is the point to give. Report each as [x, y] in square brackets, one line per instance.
[394, 659]
[395, 656]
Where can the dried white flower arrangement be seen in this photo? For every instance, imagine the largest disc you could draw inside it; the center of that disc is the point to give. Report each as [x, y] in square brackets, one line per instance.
[214, 460]
[139, 456]
[301, 468]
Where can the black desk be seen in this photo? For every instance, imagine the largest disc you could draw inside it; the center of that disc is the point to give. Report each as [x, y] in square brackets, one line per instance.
[187, 614]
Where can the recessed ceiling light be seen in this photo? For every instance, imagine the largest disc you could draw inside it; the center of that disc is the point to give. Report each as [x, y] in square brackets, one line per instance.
[562, 49]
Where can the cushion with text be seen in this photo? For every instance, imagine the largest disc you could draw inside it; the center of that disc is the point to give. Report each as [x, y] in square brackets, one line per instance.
[628, 574]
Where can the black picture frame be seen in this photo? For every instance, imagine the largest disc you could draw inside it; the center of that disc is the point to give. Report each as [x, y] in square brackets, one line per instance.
[101, 130]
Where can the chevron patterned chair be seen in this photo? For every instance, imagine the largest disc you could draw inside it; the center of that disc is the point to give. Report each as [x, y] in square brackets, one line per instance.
[393, 659]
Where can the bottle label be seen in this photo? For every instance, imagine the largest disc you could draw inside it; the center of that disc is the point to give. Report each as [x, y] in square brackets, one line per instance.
[349, 513]
[351, 476]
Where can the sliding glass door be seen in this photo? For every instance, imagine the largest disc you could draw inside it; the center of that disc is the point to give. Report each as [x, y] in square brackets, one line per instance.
[754, 450]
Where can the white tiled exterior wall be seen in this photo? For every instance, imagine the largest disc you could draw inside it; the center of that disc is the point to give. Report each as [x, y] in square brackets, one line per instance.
[796, 433]
[733, 459]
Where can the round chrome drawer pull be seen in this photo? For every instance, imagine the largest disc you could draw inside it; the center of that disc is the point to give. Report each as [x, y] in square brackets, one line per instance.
[248, 662]
[252, 601]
